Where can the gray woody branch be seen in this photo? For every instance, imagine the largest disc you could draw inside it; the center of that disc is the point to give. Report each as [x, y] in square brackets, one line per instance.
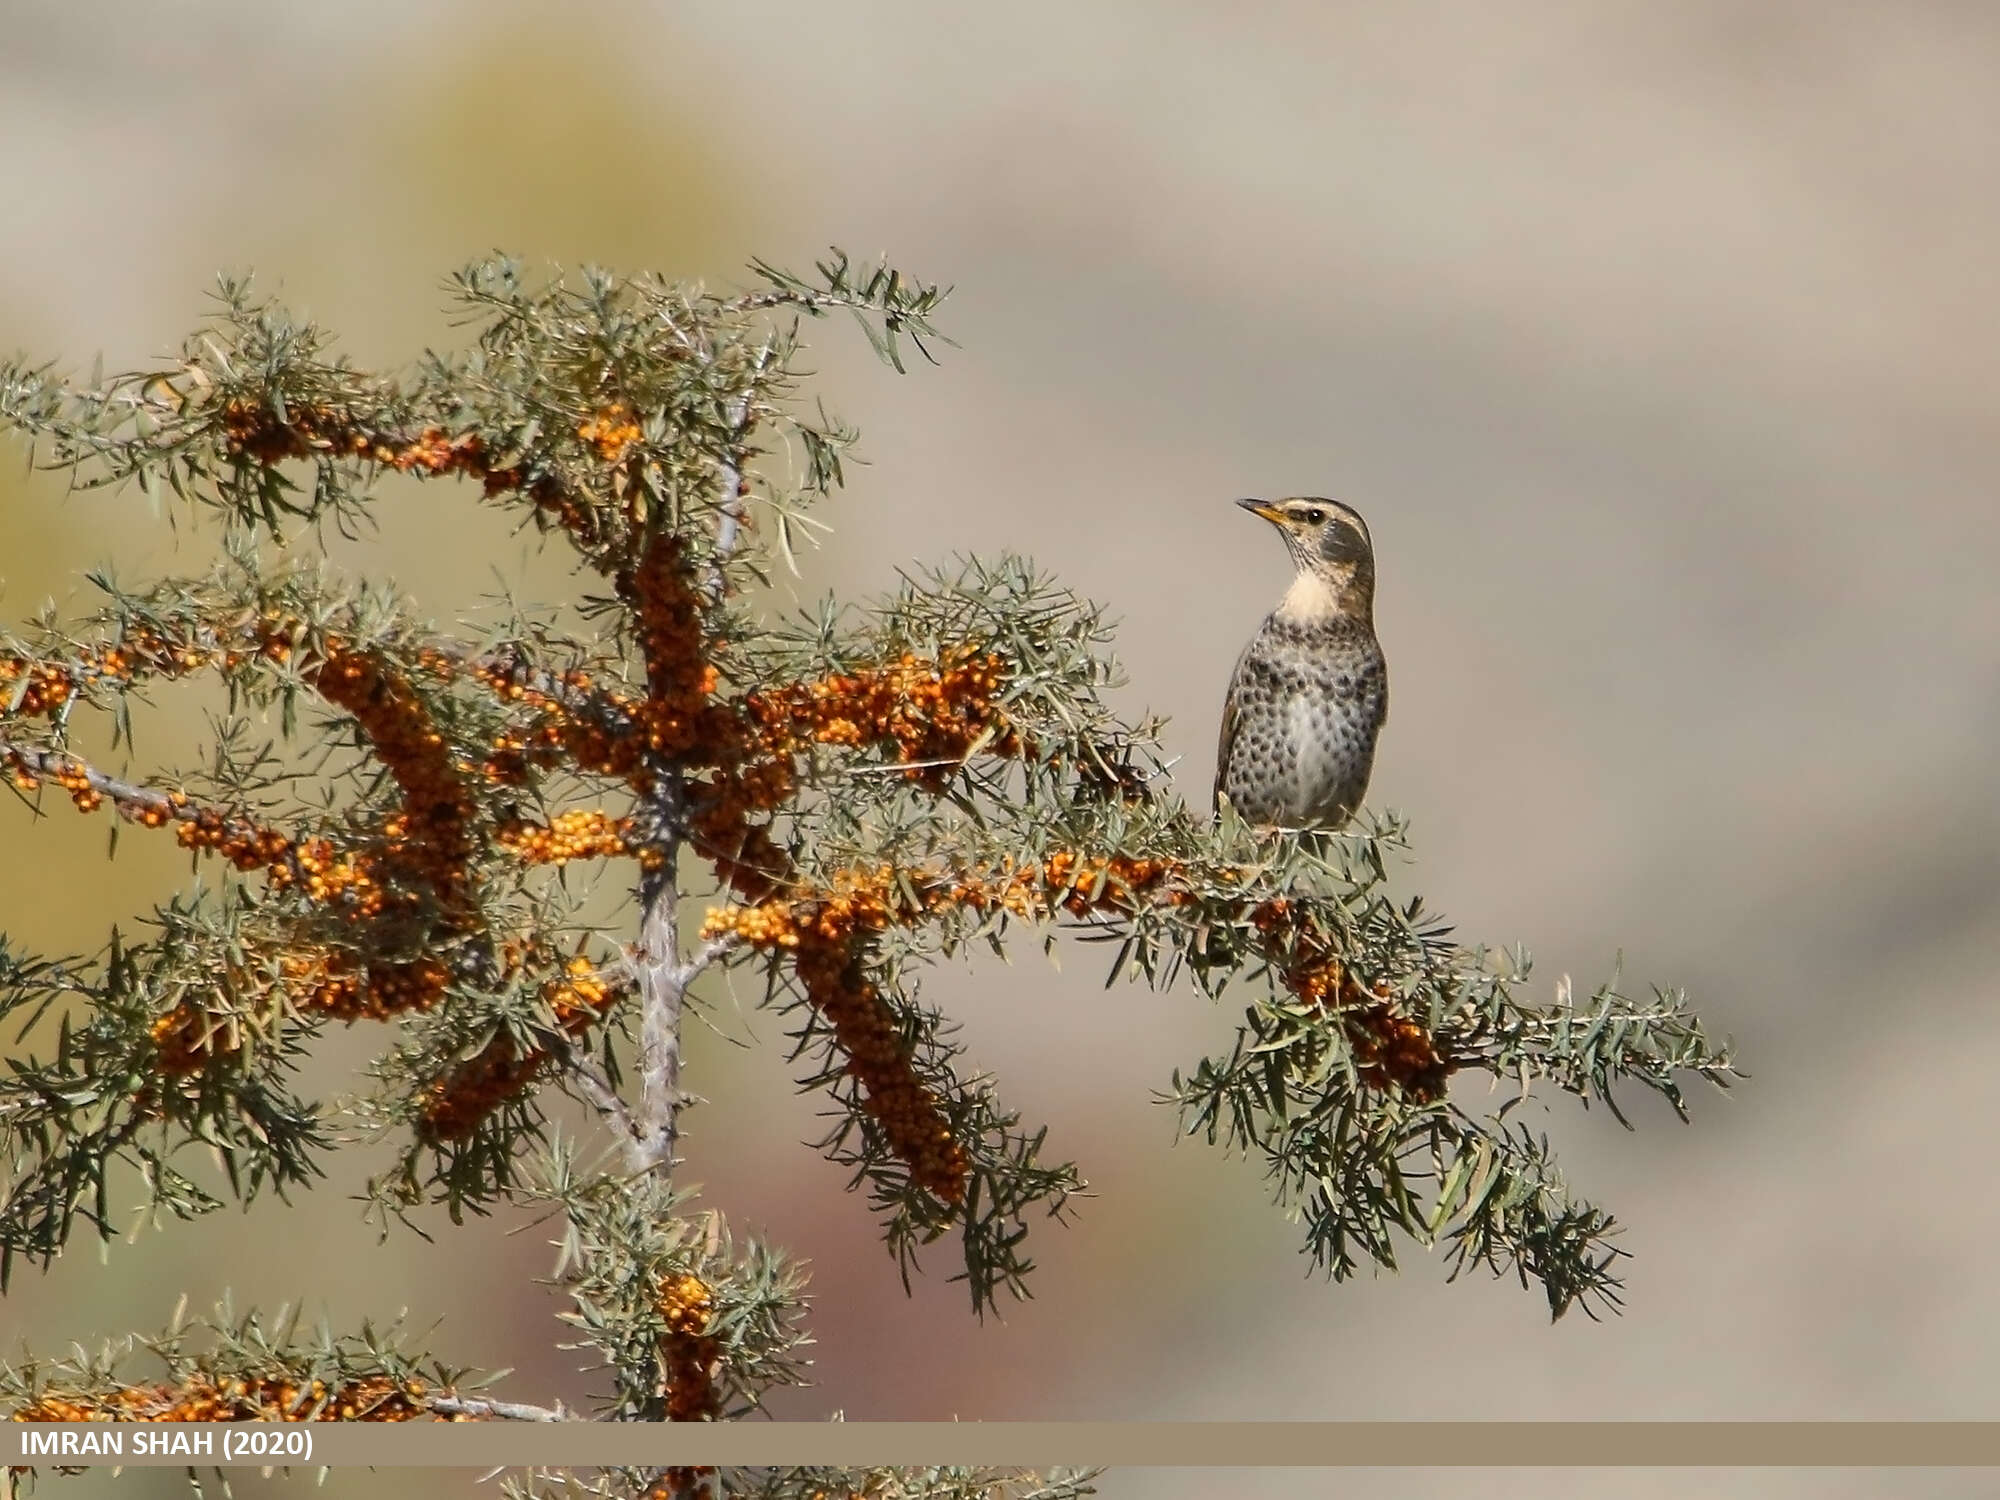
[507, 1411]
[663, 975]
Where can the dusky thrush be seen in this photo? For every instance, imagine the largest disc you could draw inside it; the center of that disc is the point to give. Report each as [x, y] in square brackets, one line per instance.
[1311, 690]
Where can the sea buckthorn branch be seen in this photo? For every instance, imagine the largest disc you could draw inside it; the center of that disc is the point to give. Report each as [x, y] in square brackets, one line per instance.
[268, 1398]
[231, 620]
[250, 396]
[294, 978]
[461, 1083]
[190, 1039]
[826, 937]
[542, 410]
[936, 1150]
[182, 1015]
[577, 722]
[593, 722]
[330, 436]
[943, 1483]
[572, 720]
[37, 687]
[659, 386]
[314, 867]
[958, 1482]
[903, 306]
[182, 627]
[1369, 1015]
[694, 1327]
[245, 624]
[28, 766]
[455, 1102]
[1001, 1173]
[434, 840]
[62, 1128]
[833, 972]
[1338, 1080]
[244, 1368]
[932, 715]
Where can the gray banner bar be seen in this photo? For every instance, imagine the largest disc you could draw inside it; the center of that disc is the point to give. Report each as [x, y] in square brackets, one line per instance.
[1025, 1444]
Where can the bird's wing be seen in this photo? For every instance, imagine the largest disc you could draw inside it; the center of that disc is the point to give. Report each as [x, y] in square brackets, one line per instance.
[1230, 716]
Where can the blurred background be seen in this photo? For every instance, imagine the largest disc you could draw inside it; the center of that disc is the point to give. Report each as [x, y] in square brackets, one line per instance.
[1658, 344]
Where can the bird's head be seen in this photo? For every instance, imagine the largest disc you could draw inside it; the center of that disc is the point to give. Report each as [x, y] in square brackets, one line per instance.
[1330, 547]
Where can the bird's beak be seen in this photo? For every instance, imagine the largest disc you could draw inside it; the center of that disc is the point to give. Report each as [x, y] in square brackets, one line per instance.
[1269, 512]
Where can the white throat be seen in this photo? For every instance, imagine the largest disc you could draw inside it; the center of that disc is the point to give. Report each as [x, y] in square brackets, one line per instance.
[1309, 598]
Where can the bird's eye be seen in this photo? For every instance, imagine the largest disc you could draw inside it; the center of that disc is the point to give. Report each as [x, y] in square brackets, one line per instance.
[1314, 516]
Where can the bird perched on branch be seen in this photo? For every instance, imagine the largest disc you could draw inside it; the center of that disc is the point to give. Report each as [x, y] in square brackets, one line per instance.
[1310, 691]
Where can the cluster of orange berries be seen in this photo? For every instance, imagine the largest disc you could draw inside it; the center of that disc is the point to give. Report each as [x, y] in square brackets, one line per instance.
[854, 901]
[243, 845]
[581, 997]
[50, 685]
[183, 1042]
[429, 840]
[590, 743]
[380, 990]
[378, 1398]
[825, 934]
[327, 877]
[434, 842]
[72, 775]
[1078, 884]
[313, 865]
[587, 834]
[328, 984]
[865, 1030]
[688, 1352]
[254, 430]
[686, 1303]
[1393, 1049]
[611, 432]
[454, 1105]
[434, 452]
[679, 715]
[825, 929]
[870, 900]
[933, 711]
